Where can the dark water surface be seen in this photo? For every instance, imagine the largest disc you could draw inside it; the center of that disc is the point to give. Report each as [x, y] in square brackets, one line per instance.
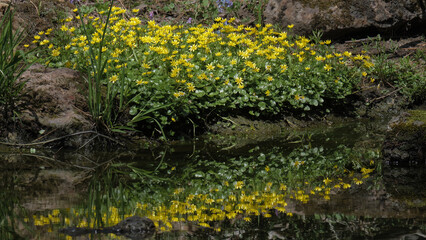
[325, 182]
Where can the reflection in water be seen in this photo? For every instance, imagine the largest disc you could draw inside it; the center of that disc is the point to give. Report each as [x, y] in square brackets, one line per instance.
[307, 191]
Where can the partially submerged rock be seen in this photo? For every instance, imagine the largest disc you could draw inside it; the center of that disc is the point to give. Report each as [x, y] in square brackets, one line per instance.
[340, 18]
[405, 143]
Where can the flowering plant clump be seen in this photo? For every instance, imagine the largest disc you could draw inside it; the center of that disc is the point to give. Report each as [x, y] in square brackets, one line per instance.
[198, 69]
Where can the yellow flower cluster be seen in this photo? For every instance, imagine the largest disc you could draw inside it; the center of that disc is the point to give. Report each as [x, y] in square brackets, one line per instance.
[196, 54]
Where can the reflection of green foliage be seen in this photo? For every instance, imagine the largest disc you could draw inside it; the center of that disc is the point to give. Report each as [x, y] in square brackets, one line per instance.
[207, 193]
[10, 210]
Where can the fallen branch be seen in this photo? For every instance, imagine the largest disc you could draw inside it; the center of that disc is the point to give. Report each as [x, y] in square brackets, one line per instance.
[60, 138]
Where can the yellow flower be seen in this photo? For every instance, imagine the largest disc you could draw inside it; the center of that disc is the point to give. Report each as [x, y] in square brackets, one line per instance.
[135, 10]
[36, 37]
[55, 52]
[26, 45]
[327, 67]
[364, 74]
[210, 67]
[178, 94]
[139, 82]
[233, 61]
[319, 58]
[267, 168]
[357, 181]
[191, 87]
[193, 48]
[238, 80]
[283, 67]
[290, 26]
[347, 54]
[367, 170]
[113, 78]
[267, 93]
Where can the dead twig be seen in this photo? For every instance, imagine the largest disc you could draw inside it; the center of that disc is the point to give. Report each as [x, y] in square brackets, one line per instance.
[60, 138]
[375, 99]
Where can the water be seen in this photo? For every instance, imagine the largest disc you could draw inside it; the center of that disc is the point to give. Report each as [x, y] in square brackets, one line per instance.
[325, 182]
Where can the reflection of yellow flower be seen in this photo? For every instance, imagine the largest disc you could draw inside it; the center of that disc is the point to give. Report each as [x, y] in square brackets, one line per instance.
[239, 184]
[327, 181]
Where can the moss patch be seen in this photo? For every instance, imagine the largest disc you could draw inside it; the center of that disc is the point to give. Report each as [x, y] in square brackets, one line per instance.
[417, 115]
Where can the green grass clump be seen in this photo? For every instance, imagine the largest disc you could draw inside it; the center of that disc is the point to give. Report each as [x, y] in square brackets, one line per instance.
[12, 65]
[195, 70]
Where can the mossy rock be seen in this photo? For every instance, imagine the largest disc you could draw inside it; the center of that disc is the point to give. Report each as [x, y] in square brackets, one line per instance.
[405, 142]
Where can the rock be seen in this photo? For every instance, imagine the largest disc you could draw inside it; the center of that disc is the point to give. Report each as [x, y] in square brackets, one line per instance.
[132, 227]
[405, 143]
[52, 100]
[340, 18]
[4, 4]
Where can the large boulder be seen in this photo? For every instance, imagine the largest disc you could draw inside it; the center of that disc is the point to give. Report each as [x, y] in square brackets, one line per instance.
[52, 103]
[340, 18]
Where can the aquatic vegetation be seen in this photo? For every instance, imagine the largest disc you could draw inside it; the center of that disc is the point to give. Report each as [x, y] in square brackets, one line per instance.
[195, 70]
